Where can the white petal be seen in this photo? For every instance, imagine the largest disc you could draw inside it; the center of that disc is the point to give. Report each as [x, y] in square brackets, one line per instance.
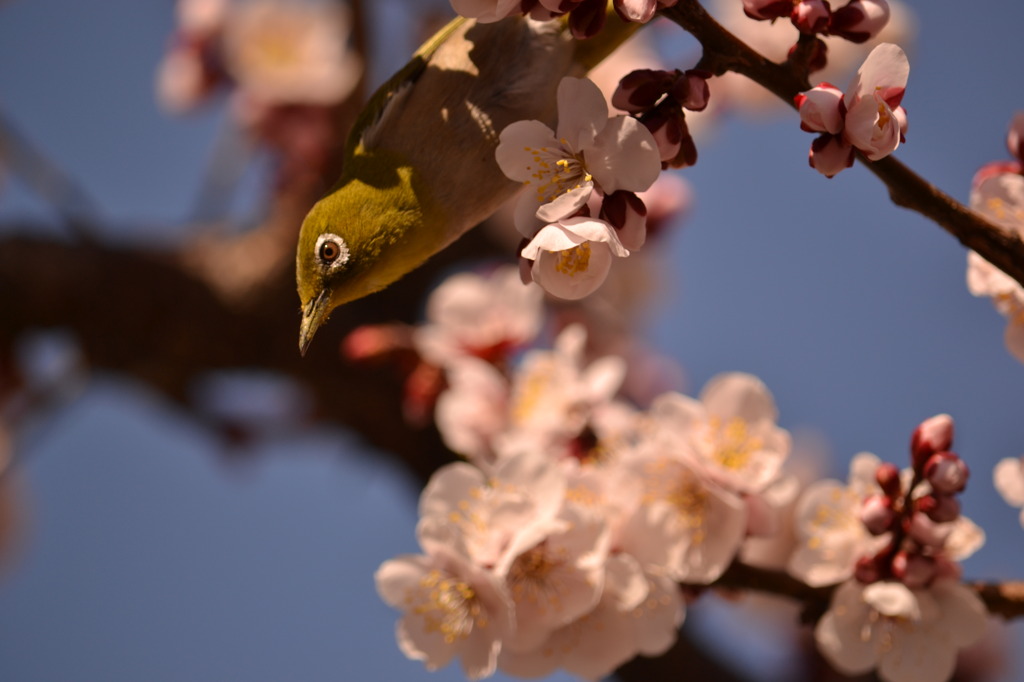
[516, 144]
[739, 395]
[840, 634]
[582, 112]
[624, 156]
[565, 204]
[892, 599]
[1008, 478]
[885, 68]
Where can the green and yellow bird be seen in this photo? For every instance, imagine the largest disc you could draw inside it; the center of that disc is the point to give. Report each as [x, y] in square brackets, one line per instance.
[419, 166]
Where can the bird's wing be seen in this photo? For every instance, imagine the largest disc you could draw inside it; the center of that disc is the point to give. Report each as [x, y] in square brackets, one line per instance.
[390, 91]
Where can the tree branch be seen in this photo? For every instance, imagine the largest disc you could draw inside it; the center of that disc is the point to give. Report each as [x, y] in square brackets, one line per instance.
[722, 51]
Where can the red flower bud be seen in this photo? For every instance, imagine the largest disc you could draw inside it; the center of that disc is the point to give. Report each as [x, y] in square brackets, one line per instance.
[932, 435]
[946, 472]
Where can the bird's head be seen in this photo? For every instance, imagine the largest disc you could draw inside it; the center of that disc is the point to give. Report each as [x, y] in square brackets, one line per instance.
[358, 239]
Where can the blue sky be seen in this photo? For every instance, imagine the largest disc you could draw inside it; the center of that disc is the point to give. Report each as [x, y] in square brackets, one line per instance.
[147, 557]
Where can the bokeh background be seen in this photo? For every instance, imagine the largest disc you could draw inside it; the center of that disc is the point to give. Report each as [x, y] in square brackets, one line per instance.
[145, 554]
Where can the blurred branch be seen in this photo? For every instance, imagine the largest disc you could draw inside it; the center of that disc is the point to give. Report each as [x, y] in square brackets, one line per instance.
[722, 51]
[1004, 599]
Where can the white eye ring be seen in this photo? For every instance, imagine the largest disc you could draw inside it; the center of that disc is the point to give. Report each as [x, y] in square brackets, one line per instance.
[331, 250]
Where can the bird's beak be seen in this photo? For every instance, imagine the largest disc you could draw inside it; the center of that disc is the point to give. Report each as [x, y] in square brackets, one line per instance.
[313, 315]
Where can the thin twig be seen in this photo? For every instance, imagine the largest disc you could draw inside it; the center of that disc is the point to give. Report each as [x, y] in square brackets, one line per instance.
[722, 51]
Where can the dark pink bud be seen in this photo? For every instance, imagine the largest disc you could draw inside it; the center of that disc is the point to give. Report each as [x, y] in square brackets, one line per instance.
[587, 19]
[691, 89]
[626, 212]
[817, 59]
[811, 16]
[934, 434]
[939, 508]
[860, 20]
[668, 126]
[641, 90]
[926, 532]
[913, 570]
[766, 10]
[1015, 136]
[888, 478]
[830, 154]
[877, 515]
[868, 570]
[946, 472]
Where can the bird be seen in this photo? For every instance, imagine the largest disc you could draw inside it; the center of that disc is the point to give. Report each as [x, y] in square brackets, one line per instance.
[419, 167]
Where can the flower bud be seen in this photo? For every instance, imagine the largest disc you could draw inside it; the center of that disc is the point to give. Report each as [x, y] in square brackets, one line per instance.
[932, 435]
[821, 109]
[888, 478]
[765, 10]
[641, 90]
[860, 20]
[946, 472]
[625, 211]
[939, 508]
[928, 533]
[912, 569]
[868, 570]
[811, 16]
[877, 515]
[816, 59]
[830, 154]
[587, 20]
[667, 124]
[691, 89]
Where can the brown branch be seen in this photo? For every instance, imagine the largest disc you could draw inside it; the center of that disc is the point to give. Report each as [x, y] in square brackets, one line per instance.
[722, 51]
[1004, 599]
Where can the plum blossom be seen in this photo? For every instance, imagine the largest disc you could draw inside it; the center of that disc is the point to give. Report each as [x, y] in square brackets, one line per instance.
[477, 315]
[572, 257]
[639, 613]
[291, 52]
[730, 431]
[451, 607]
[830, 534]
[1008, 478]
[909, 635]
[1000, 198]
[588, 151]
[868, 117]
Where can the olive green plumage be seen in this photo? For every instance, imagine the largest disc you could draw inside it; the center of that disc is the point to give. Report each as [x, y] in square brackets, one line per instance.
[419, 166]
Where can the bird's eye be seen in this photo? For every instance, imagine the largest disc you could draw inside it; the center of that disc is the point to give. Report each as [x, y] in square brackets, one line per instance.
[331, 250]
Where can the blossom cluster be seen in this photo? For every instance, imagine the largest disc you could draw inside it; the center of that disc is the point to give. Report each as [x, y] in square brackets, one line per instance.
[998, 194]
[579, 209]
[868, 117]
[892, 540]
[857, 20]
[586, 17]
[561, 540]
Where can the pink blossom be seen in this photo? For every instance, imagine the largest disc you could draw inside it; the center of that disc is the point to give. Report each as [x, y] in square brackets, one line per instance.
[451, 607]
[1008, 478]
[873, 124]
[588, 151]
[909, 635]
[821, 109]
[1000, 198]
[472, 411]
[811, 16]
[730, 432]
[572, 256]
[638, 613]
[480, 315]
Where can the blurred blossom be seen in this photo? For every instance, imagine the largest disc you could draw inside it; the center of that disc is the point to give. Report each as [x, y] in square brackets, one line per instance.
[1008, 478]
[479, 315]
[1000, 198]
